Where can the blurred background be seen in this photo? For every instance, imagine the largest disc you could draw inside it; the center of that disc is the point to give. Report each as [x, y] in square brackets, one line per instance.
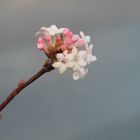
[105, 105]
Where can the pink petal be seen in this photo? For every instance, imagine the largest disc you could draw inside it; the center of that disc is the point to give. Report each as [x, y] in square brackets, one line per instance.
[47, 37]
[40, 44]
[66, 31]
[75, 38]
[63, 47]
[79, 43]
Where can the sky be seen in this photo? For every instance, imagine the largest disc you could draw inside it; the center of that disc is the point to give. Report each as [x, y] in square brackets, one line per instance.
[102, 106]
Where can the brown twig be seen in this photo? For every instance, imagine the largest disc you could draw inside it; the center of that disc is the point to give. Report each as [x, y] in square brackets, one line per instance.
[23, 84]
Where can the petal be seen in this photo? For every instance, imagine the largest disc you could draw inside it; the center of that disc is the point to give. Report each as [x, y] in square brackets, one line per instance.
[76, 67]
[80, 43]
[82, 34]
[82, 72]
[63, 47]
[40, 46]
[56, 64]
[69, 57]
[60, 30]
[86, 70]
[70, 65]
[87, 39]
[81, 54]
[88, 59]
[90, 47]
[43, 28]
[53, 28]
[60, 57]
[62, 68]
[65, 52]
[75, 38]
[74, 50]
[82, 62]
[76, 75]
[66, 31]
[93, 58]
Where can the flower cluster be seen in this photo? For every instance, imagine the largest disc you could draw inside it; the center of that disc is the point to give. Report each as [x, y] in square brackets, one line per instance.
[65, 49]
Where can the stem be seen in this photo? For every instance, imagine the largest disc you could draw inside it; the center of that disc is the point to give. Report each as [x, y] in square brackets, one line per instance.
[23, 84]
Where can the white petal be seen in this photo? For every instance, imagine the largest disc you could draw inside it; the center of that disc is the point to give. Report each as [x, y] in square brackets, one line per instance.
[82, 34]
[76, 75]
[90, 47]
[70, 65]
[87, 39]
[65, 52]
[69, 57]
[86, 70]
[38, 33]
[53, 28]
[93, 58]
[82, 62]
[56, 64]
[74, 50]
[60, 30]
[81, 54]
[82, 72]
[76, 67]
[88, 59]
[43, 28]
[60, 57]
[62, 68]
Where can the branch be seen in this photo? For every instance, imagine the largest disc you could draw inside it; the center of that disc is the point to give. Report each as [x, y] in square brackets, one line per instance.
[47, 67]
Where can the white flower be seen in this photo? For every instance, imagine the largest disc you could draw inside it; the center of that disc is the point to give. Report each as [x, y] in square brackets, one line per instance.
[79, 72]
[52, 30]
[79, 63]
[80, 58]
[64, 62]
[89, 56]
[85, 38]
[69, 60]
[62, 67]
[76, 61]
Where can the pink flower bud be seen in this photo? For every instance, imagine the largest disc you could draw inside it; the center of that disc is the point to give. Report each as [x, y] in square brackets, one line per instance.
[79, 43]
[40, 40]
[70, 34]
[66, 31]
[69, 41]
[47, 37]
[63, 47]
[40, 44]
[75, 38]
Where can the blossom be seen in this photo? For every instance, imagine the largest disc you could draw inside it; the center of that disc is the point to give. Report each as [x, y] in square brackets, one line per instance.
[64, 62]
[79, 73]
[52, 30]
[66, 49]
[60, 63]
[79, 69]
[85, 38]
[89, 57]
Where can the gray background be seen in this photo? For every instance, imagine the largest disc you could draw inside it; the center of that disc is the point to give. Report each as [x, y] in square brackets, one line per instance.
[103, 106]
